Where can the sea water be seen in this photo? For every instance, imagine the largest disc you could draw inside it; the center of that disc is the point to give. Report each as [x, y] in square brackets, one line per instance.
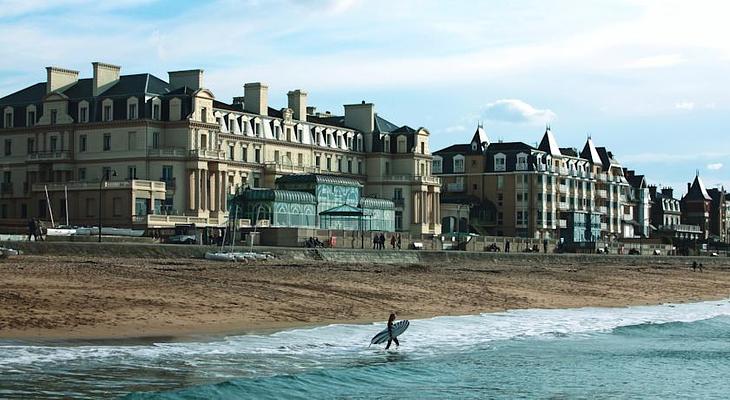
[653, 352]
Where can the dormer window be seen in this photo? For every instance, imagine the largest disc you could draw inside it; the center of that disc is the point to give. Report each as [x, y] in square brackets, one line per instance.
[30, 116]
[522, 162]
[8, 117]
[436, 165]
[459, 163]
[500, 162]
[132, 111]
[386, 144]
[401, 144]
[203, 114]
[107, 113]
[83, 114]
[155, 111]
[54, 117]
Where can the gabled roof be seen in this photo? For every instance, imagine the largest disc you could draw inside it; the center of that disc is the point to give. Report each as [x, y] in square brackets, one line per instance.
[507, 146]
[382, 125]
[33, 93]
[697, 191]
[480, 136]
[569, 151]
[549, 144]
[606, 157]
[590, 153]
[454, 148]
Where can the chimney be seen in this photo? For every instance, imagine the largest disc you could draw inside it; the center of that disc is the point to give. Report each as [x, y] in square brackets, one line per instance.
[361, 117]
[311, 110]
[652, 192]
[668, 192]
[298, 104]
[59, 79]
[192, 78]
[256, 98]
[105, 76]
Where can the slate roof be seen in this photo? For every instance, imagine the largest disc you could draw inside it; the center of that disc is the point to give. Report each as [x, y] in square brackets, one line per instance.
[31, 94]
[507, 146]
[698, 191]
[548, 143]
[382, 125]
[569, 151]
[590, 153]
[454, 148]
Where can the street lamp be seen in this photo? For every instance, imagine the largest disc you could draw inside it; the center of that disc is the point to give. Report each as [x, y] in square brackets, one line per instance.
[104, 177]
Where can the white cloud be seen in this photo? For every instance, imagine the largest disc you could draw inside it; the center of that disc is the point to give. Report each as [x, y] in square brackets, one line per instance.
[517, 111]
[455, 128]
[714, 167]
[660, 61]
[684, 105]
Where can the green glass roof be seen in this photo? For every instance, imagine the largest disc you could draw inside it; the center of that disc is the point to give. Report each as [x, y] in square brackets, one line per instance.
[285, 196]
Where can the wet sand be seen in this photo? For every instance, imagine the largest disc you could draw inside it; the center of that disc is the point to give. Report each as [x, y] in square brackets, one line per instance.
[64, 297]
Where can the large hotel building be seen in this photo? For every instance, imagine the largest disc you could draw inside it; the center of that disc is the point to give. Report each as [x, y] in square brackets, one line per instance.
[547, 192]
[157, 153]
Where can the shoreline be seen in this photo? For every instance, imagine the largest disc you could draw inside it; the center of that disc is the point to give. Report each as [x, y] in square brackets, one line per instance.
[64, 298]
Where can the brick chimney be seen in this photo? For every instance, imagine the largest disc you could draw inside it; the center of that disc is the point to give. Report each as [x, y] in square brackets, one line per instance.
[59, 79]
[256, 98]
[298, 104]
[192, 78]
[105, 76]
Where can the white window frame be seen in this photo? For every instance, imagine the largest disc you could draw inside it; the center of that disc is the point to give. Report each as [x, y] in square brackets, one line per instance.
[459, 158]
[437, 165]
[521, 164]
[500, 162]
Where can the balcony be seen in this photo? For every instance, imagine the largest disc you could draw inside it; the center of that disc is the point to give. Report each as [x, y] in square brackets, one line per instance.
[207, 154]
[49, 156]
[455, 187]
[399, 201]
[562, 223]
[415, 178]
[602, 193]
[289, 168]
[94, 185]
[168, 152]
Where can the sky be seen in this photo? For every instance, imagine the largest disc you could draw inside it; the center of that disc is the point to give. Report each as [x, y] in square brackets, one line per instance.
[647, 79]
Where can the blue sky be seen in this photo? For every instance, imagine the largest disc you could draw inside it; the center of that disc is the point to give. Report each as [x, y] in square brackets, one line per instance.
[647, 79]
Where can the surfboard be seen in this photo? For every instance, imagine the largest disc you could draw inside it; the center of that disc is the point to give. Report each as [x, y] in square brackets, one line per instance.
[383, 336]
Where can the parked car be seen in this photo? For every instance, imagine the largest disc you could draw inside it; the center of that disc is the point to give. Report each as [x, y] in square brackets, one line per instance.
[184, 234]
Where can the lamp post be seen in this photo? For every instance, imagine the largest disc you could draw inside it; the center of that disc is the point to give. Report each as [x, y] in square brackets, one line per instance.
[104, 177]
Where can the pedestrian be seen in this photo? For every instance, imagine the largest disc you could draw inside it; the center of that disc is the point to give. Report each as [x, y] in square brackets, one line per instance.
[700, 267]
[391, 339]
[544, 245]
[382, 241]
[40, 229]
[398, 241]
[376, 238]
[506, 246]
[694, 265]
[392, 242]
[31, 228]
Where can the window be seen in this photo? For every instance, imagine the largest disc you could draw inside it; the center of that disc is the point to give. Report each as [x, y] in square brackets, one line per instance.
[203, 141]
[459, 163]
[288, 133]
[82, 143]
[500, 199]
[8, 146]
[257, 155]
[522, 162]
[349, 166]
[387, 168]
[329, 163]
[500, 182]
[288, 158]
[339, 165]
[300, 159]
[54, 117]
[231, 151]
[156, 111]
[244, 154]
[30, 118]
[276, 156]
[155, 140]
[131, 172]
[107, 113]
[317, 160]
[83, 114]
[423, 147]
[8, 119]
[436, 165]
[54, 143]
[106, 172]
[257, 130]
[359, 167]
[167, 173]
[82, 174]
[500, 162]
[132, 111]
[31, 145]
[204, 114]
[107, 145]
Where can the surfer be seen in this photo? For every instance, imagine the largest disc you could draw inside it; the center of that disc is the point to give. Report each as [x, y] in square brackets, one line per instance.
[391, 319]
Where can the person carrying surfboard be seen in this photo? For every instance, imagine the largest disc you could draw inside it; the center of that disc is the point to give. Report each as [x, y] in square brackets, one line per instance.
[391, 338]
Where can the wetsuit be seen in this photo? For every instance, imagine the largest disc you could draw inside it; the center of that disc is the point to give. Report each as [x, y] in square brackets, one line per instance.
[390, 334]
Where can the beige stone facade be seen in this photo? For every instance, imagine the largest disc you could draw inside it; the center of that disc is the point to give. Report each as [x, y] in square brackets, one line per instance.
[173, 153]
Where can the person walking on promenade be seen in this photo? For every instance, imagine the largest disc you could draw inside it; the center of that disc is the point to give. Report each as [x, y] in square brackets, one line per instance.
[506, 246]
[31, 228]
[376, 238]
[544, 245]
[382, 241]
[392, 242]
[398, 241]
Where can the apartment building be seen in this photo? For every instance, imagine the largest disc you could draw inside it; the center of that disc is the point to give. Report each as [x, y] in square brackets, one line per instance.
[537, 192]
[666, 217]
[696, 207]
[640, 199]
[162, 152]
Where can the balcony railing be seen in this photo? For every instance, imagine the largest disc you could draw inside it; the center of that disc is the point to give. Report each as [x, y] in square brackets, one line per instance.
[49, 156]
[278, 167]
[94, 185]
[177, 152]
[208, 154]
[415, 178]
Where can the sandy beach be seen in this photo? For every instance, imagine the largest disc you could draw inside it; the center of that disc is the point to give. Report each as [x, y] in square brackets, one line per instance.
[64, 297]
